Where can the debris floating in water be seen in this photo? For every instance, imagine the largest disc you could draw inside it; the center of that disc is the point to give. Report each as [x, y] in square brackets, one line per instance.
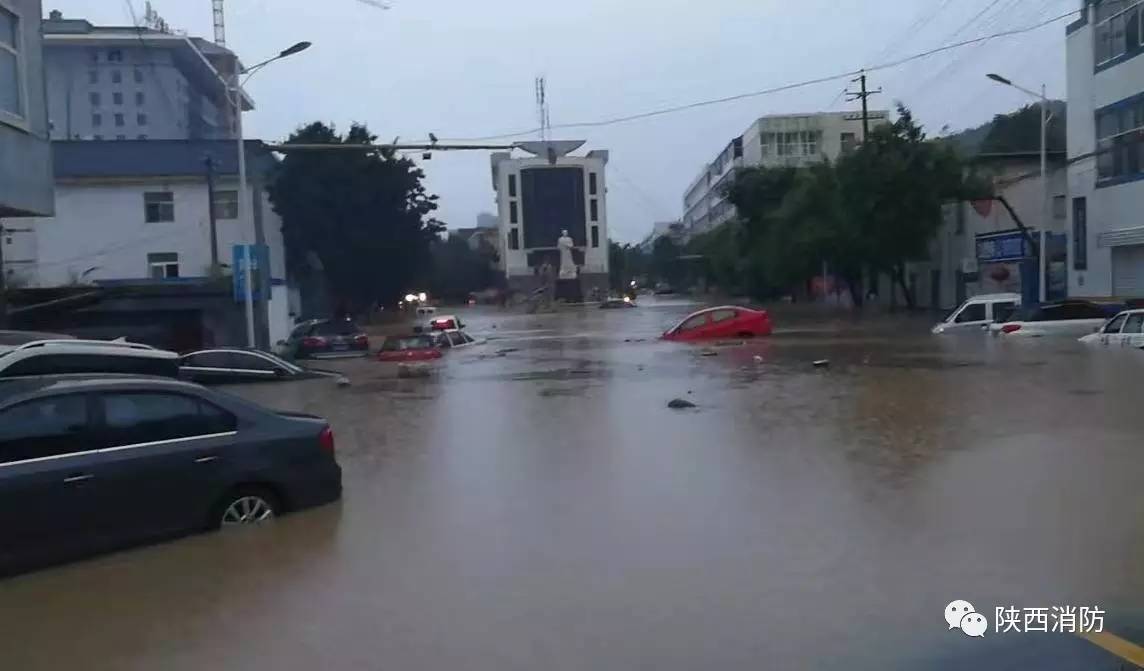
[708, 352]
[822, 363]
[679, 404]
[758, 359]
[343, 381]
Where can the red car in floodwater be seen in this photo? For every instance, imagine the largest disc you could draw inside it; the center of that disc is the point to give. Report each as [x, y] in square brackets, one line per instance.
[727, 321]
[401, 349]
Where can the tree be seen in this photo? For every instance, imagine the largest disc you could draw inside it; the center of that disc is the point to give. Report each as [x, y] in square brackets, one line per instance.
[459, 270]
[1021, 130]
[665, 265]
[364, 214]
[893, 187]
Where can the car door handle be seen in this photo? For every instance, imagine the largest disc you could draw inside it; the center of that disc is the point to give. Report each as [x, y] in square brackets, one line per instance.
[206, 460]
[71, 479]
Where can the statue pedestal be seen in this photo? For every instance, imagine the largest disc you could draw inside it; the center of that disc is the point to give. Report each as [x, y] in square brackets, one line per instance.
[569, 291]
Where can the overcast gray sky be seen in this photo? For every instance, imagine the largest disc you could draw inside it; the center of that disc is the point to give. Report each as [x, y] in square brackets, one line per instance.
[465, 68]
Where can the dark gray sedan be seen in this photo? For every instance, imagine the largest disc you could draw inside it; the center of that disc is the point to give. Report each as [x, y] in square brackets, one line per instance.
[91, 463]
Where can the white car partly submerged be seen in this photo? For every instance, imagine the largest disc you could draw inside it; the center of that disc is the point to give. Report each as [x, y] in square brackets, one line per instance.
[1126, 329]
[979, 312]
[1062, 318]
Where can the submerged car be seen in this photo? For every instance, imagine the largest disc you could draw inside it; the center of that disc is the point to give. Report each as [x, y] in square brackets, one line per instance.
[90, 463]
[325, 339]
[728, 321]
[453, 339]
[978, 313]
[237, 365]
[1063, 318]
[406, 348]
[1124, 330]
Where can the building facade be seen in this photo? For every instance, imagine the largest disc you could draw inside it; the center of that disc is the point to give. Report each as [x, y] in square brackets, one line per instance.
[542, 195]
[789, 140]
[25, 157]
[136, 211]
[129, 83]
[1106, 149]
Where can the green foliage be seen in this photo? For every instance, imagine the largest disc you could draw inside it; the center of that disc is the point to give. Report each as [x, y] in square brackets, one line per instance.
[665, 265]
[625, 263]
[1021, 130]
[459, 270]
[876, 209]
[364, 214]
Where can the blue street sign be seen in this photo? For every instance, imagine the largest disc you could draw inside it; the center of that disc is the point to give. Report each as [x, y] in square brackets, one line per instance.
[259, 254]
[1002, 247]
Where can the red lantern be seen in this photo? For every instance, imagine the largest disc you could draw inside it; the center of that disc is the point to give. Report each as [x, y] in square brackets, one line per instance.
[1000, 273]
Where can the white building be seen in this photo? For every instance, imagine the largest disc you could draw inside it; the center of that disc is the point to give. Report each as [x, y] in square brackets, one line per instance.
[128, 83]
[789, 140]
[1106, 149]
[25, 158]
[673, 229]
[140, 212]
[546, 193]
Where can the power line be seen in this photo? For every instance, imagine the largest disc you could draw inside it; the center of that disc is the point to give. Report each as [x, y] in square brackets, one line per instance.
[777, 89]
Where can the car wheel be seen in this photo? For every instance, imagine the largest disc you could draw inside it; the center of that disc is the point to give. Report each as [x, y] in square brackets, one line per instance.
[246, 506]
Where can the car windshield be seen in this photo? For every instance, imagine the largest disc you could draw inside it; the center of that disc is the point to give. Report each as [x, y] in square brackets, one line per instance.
[336, 328]
[406, 343]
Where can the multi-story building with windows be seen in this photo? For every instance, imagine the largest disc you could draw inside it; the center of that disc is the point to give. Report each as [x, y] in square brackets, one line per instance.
[1106, 149]
[790, 140]
[25, 158]
[135, 83]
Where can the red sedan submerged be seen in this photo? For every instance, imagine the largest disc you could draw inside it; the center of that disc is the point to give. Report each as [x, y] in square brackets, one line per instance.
[727, 321]
[402, 349]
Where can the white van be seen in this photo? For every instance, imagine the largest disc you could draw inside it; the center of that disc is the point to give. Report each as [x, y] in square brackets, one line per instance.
[979, 312]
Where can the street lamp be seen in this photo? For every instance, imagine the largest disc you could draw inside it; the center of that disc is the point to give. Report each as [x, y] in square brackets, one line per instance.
[259, 234]
[1045, 117]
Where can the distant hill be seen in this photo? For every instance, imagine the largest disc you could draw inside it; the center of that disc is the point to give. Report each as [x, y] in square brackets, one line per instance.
[1018, 131]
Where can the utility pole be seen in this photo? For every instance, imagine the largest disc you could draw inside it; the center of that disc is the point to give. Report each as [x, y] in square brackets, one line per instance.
[213, 215]
[863, 95]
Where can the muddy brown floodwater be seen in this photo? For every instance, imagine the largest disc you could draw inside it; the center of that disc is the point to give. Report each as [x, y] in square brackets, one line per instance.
[535, 505]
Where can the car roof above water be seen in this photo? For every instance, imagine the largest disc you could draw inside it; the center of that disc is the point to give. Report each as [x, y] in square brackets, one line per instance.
[22, 386]
[987, 298]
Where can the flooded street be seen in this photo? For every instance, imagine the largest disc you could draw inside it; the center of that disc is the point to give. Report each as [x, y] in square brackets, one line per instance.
[535, 505]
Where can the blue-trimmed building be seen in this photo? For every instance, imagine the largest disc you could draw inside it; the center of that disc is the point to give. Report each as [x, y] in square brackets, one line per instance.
[1106, 149]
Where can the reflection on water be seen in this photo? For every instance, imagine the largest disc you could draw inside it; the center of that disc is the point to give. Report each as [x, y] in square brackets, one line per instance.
[543, 508]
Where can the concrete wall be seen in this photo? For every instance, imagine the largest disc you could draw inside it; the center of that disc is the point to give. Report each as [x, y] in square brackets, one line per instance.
[25, 157]
[100, 233]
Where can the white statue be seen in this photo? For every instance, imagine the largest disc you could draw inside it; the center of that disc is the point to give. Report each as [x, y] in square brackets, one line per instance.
[567, 264]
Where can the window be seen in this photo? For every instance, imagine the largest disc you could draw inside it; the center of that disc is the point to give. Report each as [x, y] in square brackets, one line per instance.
[1135, 324]
[141, 136]
[96, 120]
[115, 56]
[1002, 311]
[252, 362]
[974, 312]
[144, 417]
[1080, 234]
[1120, 139]
[158, 206]
[342, 327]
[455, 339]
[514, 238]
[512, 212]
[117, 98]
[93, 76]
[512, 186]
[1067, 311]
[767, 143]
[722, 316]
[11, 71]
[1118, 30]
[43, 428]
[95, 98]
[595, 236]
[163, 265]
[1115, 325]
[138, 76]
[59, 364]
[97, 136]
[594, 210]
[140, 99]
[226, 204]
[591, 184]
[208, 360]
[120, 137]
[849, 142]
[119, 121]
[1060, 207]
[93, 55]
[141, 119]
[116, 77]
[694, 323]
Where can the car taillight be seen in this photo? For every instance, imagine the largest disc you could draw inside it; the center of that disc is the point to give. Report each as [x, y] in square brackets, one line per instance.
[314, 341]
[326, 440]
[1010, 328]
